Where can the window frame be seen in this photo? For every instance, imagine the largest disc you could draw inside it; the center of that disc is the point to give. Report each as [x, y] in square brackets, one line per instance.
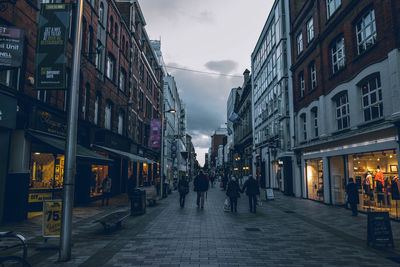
[310, 30]
[365, 44]
[376, 93]
[313, 75]
[111, 67]
[299, 41]
[108, 116]
[329, 12]
[302, 84]
[338, 63]
[340, 106]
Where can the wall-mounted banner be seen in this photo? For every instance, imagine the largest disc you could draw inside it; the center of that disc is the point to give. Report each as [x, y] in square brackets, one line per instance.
[11, 46]
[52, 41]
[155, 133]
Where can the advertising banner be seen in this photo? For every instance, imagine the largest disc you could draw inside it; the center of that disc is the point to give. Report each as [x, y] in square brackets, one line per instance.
[155, 133]
[11, 46]
[52, 218]
[52, 41]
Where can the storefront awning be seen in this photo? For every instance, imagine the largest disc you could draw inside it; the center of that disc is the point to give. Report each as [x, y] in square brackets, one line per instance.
[124, 154]
[82, 153]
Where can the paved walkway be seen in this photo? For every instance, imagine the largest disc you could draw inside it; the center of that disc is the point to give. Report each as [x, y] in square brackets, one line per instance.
[284, 232]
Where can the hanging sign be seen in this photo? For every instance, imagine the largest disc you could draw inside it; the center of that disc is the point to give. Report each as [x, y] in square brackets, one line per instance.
[155, 133]
[52, 42]
[52, 218]
[11, 46]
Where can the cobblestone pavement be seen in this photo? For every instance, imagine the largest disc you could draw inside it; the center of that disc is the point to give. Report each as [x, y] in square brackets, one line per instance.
[285, 232]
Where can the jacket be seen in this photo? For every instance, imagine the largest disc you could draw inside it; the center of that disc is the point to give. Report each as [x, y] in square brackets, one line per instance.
[200, 183]
[233, 189]
[352, 193]
[183, 186]
[251, 187]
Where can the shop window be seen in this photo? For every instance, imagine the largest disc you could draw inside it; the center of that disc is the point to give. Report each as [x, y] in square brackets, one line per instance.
[315, 179]
[338, 55]
[366, 31]
[99, 173]
[47, 171]
[342, 111]
[372, 102]
[376, 174]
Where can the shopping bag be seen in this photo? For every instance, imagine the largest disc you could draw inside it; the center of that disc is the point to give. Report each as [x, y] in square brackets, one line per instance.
[227, 205]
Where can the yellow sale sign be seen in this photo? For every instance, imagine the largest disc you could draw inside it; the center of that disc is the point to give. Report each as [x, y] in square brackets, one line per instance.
[52, 218]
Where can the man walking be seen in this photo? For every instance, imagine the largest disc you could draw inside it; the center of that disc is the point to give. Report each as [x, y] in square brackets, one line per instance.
[252, 190]
[352, 196]
[106, 190]
[183, 188]
[200, 186]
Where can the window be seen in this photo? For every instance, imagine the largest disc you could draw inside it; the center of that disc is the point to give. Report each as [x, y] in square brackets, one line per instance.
[135, 55]
[141, 71]
[314, 112]
[310, 30]
[304, 126]
[85, 97]
[84, 33]
[148, 109]
[141, 99]
[366, 31]
[90, 43]
[302, 84]
[332, 6]
[107, 116]
[122, 80]
[44, 95]
[120, 122]
[116, 31]
[338, 56]
[110, 67]
[96, 109]
[313, 76]
[8, 78]
[134, 89]
[123, 45]
[149, 83]
[342, 111]
[111, 26]
[101, 12]
[372, 98]
[299, 43]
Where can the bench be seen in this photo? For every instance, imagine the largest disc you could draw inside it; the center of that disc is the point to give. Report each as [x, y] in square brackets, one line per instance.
[151, 194]
[111, 219]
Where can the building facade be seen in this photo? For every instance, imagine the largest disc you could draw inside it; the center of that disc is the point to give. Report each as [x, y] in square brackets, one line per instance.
[119, 93]
[346, 66]
[273, 125]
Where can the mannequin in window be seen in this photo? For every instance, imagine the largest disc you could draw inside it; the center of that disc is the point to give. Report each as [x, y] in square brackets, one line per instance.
[380, 183]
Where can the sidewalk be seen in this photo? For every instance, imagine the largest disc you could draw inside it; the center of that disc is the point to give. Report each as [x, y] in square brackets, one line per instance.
[285, 232]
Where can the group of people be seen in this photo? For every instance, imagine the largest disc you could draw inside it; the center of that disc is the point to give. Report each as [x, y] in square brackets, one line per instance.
[250, 187]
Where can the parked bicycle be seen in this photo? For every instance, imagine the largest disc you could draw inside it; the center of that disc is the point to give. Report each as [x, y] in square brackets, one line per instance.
[10, 241]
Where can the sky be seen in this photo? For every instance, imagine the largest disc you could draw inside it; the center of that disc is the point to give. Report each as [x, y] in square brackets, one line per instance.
[216, 36]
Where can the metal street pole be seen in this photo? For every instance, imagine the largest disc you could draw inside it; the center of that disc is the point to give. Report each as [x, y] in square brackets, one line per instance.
[70, 147]
[162, 152]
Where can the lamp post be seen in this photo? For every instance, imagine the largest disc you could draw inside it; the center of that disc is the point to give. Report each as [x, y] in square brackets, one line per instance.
[162, 149]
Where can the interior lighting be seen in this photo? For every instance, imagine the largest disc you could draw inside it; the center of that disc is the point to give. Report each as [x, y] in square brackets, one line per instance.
[37, 153]
[390, 156]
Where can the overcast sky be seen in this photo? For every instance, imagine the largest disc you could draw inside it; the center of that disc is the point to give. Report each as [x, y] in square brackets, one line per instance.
[211, 36]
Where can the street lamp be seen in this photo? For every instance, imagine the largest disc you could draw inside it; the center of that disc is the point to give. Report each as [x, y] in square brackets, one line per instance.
[172, 111]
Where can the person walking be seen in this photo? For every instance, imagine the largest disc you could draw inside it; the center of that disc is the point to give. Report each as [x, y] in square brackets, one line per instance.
[106, 190]
[183, 188]
[233, 192]
[200, 186]
[352, 196]
[252, 190]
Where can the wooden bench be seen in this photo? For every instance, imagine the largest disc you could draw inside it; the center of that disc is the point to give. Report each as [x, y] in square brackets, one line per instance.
[151, 194]
[112, 219]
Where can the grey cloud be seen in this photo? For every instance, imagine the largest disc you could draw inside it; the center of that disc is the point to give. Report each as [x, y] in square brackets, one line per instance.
[222, 66]
[204, 16]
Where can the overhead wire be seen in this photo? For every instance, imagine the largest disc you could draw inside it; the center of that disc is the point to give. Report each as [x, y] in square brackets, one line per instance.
[205, 72]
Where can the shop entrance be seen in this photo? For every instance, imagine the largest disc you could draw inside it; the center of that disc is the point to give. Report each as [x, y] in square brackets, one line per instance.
[315, 179]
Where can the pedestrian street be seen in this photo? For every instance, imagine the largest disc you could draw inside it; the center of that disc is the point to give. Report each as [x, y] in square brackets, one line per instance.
[284, 232]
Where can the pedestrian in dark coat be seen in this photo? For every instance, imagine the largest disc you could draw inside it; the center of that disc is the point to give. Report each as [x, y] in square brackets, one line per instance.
[200, 186]
[252, 190]
[233, 192]
[352, 196]
[183, 188]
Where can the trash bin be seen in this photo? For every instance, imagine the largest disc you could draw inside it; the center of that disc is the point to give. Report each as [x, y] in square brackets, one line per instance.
[138, 202]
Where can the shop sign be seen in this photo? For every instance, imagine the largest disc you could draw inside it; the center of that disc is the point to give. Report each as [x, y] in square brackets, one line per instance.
[49, 123]
[8, 111]
[11, 46]
[51, 50]
[39, 197]
[379, 229]
[270, 194]
[52, 218]
[155, 133]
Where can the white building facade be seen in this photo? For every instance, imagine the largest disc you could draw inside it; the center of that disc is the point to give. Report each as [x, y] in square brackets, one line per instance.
[272, 98]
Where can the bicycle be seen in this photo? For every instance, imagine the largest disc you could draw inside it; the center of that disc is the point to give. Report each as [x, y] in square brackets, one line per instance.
[11, 260]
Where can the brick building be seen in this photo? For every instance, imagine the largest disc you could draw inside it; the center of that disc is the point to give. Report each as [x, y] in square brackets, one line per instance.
[346, 66]
[120, 92]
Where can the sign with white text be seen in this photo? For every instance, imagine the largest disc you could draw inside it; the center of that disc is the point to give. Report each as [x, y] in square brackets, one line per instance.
[11, 46]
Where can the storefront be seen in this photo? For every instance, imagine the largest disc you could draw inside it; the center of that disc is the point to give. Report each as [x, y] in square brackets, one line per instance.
[315, 179]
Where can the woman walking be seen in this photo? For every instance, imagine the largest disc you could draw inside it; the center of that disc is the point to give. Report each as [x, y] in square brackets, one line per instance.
[233, 192]
[183, 188]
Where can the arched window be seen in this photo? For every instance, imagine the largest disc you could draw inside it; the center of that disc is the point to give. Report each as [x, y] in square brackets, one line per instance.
[101, 12]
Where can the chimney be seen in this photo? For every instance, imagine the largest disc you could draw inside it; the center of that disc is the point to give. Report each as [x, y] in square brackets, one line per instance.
[246, 75]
